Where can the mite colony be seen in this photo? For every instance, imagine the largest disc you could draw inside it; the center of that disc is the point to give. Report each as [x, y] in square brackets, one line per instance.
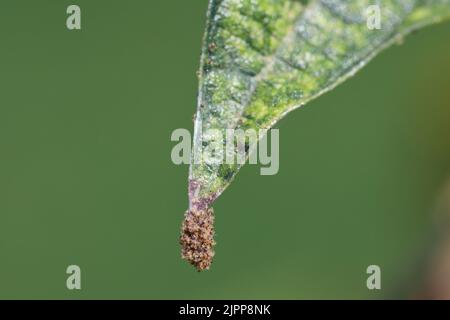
[197, 238]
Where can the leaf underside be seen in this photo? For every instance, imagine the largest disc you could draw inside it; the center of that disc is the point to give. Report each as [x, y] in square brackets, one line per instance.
[262, 59]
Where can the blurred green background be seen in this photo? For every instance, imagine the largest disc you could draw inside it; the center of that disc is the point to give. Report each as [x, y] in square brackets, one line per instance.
[86, 176]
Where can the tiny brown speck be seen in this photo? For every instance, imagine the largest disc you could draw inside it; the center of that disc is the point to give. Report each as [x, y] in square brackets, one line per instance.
[212, 46]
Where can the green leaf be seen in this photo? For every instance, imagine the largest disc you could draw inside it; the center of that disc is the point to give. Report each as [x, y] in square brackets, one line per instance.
[262, 59]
